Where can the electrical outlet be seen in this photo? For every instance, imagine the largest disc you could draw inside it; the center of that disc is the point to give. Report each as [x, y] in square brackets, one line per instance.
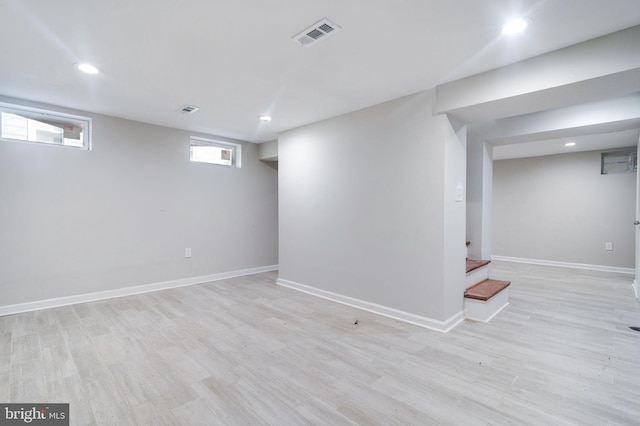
[608, 246]
[187, 252]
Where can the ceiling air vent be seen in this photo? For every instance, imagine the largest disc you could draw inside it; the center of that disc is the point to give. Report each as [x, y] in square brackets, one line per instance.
[188, 109]
[316, 32]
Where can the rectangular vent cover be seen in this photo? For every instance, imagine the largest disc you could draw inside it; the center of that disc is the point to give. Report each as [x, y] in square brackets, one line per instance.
[316, 32]
[188, 109]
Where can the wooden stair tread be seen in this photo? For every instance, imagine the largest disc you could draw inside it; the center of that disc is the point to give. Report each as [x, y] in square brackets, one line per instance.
[475, 264]
[486, 289]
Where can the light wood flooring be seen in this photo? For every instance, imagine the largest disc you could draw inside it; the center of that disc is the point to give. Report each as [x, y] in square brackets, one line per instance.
[245, 351]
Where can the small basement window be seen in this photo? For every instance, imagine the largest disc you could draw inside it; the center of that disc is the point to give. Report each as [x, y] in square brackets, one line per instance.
[216, 152]
[619, 162]
[25, 124]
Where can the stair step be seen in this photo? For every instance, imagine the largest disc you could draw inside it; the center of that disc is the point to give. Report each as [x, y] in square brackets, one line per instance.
[486, 289]
[475, 264]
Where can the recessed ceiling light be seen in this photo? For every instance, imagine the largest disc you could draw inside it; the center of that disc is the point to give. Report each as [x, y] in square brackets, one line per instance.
[87, 68]
[515, 26]
[570, 144]
[265, 118]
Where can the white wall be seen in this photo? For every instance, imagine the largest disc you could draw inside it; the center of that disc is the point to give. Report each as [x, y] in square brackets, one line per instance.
[560, 208]
[479, 196]
[367, 207]
[74, 222]
[268, 151]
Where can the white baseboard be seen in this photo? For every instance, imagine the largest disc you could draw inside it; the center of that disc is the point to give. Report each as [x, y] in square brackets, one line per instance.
[441, 326]
[602, 268]
[127, 291]
[635, 288]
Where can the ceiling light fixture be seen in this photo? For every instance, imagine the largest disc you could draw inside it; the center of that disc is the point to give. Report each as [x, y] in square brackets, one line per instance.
[265, 118]
[570, 144]
[87, 68]
[515, 26]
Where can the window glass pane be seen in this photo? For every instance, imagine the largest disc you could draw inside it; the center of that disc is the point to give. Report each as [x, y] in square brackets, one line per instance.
[215, 152]
[619, 162]
[43, 127]
[211, 154]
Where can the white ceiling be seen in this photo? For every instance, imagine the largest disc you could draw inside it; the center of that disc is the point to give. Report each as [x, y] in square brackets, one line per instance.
[592, 142]
[237, 60]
